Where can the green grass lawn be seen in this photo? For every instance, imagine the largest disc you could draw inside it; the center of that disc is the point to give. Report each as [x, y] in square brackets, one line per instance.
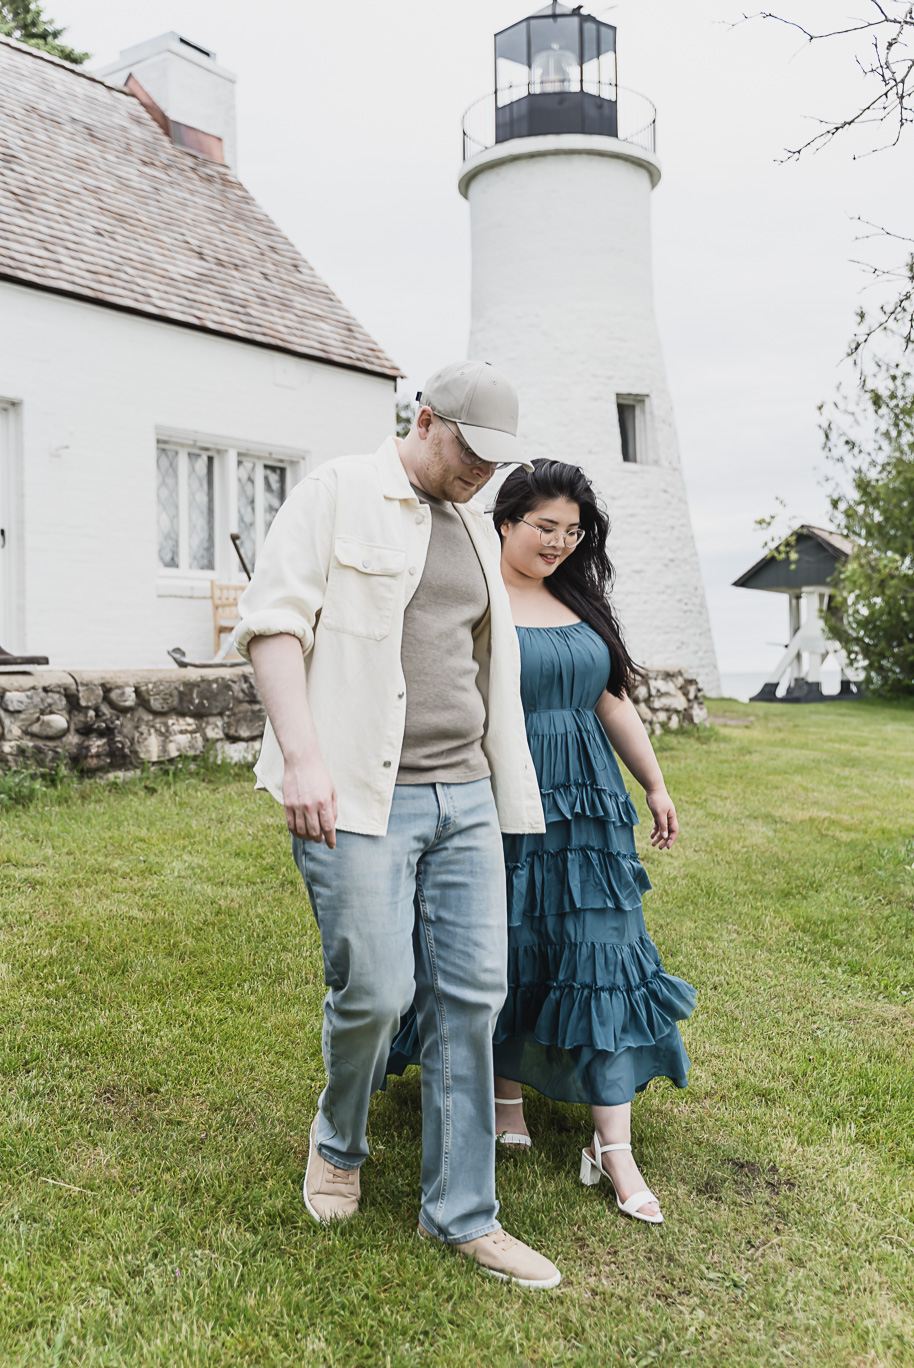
[160, 990]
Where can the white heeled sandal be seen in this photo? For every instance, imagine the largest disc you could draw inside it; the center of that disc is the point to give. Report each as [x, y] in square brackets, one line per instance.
[592, 1171]
[507, 1138]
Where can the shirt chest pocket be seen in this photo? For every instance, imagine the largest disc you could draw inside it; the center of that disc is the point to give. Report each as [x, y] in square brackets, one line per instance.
[364, 587]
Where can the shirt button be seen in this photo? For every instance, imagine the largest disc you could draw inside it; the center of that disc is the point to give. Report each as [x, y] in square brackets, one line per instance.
[364, 565]
[387, 764]
[401, 695]
[412, 569]
[419, 518]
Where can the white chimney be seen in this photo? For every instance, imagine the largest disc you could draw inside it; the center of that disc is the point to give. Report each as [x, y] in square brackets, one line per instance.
[185, 82]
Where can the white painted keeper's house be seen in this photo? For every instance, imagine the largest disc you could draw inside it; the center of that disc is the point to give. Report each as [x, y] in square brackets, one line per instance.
[169, 363]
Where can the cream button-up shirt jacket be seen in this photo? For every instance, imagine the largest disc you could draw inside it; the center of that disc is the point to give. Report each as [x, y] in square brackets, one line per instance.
[338, 567]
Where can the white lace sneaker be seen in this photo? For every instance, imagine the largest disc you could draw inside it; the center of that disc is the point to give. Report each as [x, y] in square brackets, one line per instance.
[330, 1193]
[501, 1256]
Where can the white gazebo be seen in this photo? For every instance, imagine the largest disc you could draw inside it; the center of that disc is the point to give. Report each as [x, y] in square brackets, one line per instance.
[801, 568]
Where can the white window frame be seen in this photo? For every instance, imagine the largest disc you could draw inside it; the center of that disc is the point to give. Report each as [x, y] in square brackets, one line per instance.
[184, 450]
[290, 465]
[174, 582]
[640, 402]
[183, 573]
[12, 607]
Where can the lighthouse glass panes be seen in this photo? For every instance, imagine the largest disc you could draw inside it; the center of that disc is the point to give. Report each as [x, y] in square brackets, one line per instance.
[555, 72]
[262, 488]
[555, 55]
[512, 64]
[598, 58]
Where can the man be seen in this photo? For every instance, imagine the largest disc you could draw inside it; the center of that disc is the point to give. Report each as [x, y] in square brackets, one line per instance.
[383, 646]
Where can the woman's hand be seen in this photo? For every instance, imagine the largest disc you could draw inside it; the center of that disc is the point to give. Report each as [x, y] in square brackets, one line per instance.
[666, 824]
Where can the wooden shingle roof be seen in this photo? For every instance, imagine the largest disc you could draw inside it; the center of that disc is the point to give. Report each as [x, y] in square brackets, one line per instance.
[97, 202]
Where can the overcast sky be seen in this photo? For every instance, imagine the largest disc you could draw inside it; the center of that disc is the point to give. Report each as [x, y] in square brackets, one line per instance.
[349, 135]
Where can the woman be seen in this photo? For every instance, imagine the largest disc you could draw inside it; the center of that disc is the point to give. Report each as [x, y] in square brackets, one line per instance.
[590, 1014]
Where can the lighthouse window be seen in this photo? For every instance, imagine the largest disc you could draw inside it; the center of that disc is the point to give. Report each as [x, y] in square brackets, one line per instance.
[511, 69]
[555, 55]
[629, 424]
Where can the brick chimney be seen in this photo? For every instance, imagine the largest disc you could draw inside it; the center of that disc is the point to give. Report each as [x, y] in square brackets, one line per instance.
[187, 85]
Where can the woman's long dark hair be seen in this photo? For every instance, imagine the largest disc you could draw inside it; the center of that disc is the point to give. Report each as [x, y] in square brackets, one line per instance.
[584, 580]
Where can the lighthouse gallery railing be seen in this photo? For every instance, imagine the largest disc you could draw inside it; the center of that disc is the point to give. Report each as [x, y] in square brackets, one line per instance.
[637, 116]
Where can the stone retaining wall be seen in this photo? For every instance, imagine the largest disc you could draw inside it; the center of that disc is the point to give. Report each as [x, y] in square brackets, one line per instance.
[669, 699]
[121, 719]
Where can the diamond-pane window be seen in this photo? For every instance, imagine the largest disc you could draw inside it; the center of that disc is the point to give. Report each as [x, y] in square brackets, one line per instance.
[168, 518]
[186, 507]
[247, 508]
[200, 511]
[262, 488]
[274, 493]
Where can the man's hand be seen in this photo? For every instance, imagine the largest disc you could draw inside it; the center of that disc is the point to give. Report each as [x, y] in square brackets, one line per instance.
[310, 802]
[307, 789]
[666, 825]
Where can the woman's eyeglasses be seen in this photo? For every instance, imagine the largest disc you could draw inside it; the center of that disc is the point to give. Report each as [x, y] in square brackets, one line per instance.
[468, 456]
[551, 536]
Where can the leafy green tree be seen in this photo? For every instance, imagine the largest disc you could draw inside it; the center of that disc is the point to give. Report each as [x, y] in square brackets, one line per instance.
[406, 413]
[869, 440]
[24, 20]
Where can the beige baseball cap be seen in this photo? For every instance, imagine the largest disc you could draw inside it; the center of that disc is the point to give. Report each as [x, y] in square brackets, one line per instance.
[483, 405]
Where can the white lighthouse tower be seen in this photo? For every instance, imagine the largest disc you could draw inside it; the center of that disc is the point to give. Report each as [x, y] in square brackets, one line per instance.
[559, 165]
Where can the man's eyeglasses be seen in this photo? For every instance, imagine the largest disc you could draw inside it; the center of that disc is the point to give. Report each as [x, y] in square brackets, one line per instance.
[551, 536]
[468, 456]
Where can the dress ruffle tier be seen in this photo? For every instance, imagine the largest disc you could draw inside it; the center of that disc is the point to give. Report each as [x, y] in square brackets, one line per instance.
[548, 883]
[591, 1015]
[608, 997]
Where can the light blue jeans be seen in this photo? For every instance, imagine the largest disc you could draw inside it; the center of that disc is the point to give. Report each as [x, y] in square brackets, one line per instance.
[417, 915]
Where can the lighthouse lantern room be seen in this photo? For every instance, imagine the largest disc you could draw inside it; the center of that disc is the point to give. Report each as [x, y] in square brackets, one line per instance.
[555, 72]
[559, 167]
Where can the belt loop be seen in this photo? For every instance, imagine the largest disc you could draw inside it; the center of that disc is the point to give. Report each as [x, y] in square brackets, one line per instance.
[444, 810]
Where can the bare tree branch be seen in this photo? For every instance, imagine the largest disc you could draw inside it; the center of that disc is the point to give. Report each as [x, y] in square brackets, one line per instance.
[890, 63]
[831, 33]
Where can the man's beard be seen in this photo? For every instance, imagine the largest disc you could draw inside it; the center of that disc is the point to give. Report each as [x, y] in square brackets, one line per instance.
[446, 479]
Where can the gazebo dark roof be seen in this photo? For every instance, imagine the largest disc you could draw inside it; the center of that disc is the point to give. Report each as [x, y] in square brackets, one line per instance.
[97, 202]
[817, 552]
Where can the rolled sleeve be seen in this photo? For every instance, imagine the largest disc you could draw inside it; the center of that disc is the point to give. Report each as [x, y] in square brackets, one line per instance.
[272, 622]
[287, 589]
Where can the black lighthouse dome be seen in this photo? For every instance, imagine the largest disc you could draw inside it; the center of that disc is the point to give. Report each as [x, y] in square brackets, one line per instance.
[555, 72]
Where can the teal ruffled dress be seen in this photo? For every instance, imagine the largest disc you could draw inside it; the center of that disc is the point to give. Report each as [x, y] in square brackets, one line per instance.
[591, 1013]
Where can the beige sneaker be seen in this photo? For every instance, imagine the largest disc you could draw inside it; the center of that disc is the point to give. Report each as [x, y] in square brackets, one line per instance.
[330, 1193]
[503, 1257]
